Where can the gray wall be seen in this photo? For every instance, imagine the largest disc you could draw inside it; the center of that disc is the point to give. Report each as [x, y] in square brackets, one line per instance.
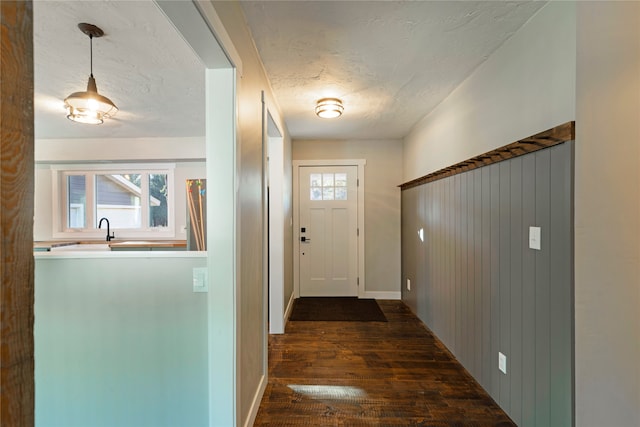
[481, 290]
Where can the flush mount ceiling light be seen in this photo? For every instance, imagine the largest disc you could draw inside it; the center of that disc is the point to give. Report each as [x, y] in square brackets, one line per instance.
[329, 108]
[89, 106]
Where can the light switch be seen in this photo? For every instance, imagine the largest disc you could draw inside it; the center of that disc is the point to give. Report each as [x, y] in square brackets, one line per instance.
[534, 238]
[200, 279]
[502, 363]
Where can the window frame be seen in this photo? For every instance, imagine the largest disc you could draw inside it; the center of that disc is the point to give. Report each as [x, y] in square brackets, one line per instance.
[60, 213]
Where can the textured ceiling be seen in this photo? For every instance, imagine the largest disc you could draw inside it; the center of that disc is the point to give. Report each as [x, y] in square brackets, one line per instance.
[142, 64]
[390, 62]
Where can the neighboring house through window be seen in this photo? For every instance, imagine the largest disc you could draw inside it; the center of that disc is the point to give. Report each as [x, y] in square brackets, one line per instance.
[136, 199]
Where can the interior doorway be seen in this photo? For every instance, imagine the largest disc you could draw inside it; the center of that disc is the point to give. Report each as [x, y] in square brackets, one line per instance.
[275, 217]
[200, 26]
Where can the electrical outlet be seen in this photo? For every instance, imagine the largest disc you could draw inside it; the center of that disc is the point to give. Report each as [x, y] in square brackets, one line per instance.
[502, 363]
[408, 284]
[534, 238]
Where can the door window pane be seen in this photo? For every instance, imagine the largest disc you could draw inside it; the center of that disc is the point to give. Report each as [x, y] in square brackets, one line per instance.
[316, 180]
[76, 201]
[158, 209]
[341, 193]
[327, 193]
[316, 193]
[118, 199]
[328, 186]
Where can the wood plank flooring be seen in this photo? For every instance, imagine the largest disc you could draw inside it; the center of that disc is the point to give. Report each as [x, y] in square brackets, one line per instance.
[370, 374]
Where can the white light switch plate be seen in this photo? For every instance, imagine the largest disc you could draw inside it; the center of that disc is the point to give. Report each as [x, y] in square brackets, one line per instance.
[200, 279]
[408, 284]
[534, 238]
[502, 363]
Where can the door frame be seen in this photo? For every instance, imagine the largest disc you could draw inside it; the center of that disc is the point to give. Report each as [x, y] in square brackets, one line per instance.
[297, 164]
[274, 220]
[199, 24]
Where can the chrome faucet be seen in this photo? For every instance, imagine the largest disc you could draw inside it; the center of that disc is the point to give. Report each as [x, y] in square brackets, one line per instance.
[109, 235]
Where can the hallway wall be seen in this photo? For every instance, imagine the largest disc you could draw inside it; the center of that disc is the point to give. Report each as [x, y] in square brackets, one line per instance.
[526, 86]
[480, 288]
[584, 65]
[608, 215]
[251, 295]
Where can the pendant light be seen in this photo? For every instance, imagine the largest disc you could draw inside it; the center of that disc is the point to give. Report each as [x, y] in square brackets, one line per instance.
[89, 106]
[329, 108]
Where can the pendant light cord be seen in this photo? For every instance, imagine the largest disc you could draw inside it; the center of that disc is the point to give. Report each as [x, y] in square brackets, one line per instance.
[91, 51]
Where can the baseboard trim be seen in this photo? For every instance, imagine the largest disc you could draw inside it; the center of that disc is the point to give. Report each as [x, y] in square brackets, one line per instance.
[287, 312]
[383, 295]
[255, 405]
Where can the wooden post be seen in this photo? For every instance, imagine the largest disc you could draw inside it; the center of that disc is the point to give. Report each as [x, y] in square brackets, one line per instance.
[16, 214]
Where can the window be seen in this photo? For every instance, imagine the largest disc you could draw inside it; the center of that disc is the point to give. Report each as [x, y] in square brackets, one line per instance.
[328, 186]
[77, 197]
[135, 200]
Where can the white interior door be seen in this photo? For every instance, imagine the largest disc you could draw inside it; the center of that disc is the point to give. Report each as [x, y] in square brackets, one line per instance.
[328, 209]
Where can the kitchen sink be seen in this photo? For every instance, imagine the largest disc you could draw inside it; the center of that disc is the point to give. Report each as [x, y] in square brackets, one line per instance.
[93, 247]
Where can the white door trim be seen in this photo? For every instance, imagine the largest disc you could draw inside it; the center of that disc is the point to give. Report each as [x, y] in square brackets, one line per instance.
[360, 163]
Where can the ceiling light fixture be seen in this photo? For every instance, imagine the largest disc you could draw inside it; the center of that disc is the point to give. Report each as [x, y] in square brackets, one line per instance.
[89, 107]
[329, 108]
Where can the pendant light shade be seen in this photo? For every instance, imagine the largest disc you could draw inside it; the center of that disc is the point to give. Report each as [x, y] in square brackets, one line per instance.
[89, 106]
[329, 108]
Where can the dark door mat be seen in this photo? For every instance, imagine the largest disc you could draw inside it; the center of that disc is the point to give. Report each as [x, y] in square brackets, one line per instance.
[343, 309]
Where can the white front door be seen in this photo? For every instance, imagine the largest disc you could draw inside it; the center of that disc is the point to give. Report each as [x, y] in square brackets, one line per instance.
[328, 203]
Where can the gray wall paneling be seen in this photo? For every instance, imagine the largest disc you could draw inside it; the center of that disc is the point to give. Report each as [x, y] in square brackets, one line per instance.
[457, 232]
[480, 288]
[517, 248]
[561, 296]
[542, 350]
[505, 280]
[477, 270]
[464, 283]
[487, 354]
[494, 227]
[528, 294]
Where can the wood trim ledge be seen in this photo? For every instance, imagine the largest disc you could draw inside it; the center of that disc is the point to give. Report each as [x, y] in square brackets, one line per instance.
[554, 136]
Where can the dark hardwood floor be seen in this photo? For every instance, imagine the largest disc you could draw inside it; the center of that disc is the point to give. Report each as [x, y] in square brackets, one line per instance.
[370, 374]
